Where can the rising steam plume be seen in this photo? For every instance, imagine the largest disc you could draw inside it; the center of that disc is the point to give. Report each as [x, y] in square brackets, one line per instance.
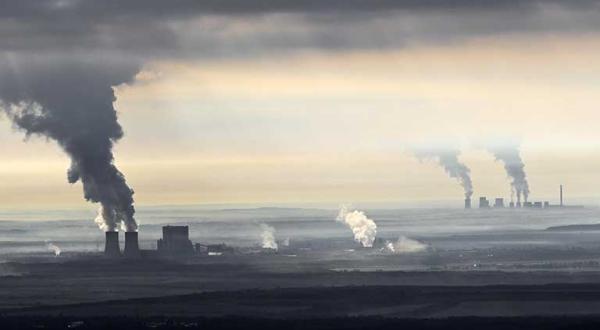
[448, 160]
[405, 245]
[363, 228]
[70, 101]
[268, 237]
[515, 169]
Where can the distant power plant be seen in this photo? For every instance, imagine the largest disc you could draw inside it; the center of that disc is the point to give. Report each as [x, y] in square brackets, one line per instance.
[175, 242]
[484, 203]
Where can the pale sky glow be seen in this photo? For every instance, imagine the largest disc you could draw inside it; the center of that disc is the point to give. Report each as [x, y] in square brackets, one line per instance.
[338, 126]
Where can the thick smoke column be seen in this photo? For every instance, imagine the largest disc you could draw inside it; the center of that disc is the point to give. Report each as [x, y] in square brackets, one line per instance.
[405, 245]
[448, 159]
[71, 101]
[515, 169]
[364, 229]
[268, 237]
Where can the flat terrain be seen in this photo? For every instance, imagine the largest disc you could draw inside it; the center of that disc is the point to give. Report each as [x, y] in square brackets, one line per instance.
[90, 286]
[352, 301]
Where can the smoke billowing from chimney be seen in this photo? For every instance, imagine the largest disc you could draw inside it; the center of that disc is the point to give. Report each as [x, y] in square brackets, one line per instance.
[268, 237]
[448, 159]
[363, 228]
[71, 101]
[515, 169]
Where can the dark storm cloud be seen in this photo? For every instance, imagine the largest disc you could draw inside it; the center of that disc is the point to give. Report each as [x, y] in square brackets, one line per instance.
[155, 28]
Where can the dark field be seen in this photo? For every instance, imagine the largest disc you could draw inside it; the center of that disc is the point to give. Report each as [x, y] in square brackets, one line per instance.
[486, 273]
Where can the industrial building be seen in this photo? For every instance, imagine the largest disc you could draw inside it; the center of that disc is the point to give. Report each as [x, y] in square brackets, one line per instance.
[484, 203]
[213, 249]
[499, 203]
[175, 241]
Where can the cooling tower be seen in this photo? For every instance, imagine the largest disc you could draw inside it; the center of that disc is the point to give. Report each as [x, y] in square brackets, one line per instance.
[132, 248]
[111, 249]
[467, 203]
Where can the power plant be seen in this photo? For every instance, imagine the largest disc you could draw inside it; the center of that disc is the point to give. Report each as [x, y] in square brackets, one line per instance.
[175, 242]
[484, 203]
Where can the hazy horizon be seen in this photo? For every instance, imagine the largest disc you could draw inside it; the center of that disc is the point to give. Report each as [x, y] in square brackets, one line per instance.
[290, 103]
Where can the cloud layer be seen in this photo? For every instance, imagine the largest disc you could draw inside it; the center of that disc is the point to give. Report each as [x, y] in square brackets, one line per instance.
[155, 29]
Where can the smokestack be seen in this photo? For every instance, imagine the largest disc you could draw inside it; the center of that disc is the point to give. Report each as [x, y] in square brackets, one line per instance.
[561, 196]
[467, 203]
[111, 249]
[132, 248]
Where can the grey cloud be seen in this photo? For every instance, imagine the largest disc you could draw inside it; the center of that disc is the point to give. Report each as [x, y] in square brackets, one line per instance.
[154, 28]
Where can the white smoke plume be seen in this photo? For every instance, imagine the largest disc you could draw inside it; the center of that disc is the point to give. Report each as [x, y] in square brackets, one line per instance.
[54, 248]
[448, 159]
[286, 242]
[363, 228]
[268, 237]
[515, 169]
[405, 245]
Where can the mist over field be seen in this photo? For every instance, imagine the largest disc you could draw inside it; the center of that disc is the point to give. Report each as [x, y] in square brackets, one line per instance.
[448, 233]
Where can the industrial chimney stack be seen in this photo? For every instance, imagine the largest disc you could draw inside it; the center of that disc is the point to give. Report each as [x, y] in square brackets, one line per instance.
[561, 196]
[132, 248]
[111, 249]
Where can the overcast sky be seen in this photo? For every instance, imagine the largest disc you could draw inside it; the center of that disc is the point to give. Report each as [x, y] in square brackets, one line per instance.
[281, 101]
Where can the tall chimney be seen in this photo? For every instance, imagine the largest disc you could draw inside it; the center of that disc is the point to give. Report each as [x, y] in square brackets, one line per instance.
[132, 248]
[467, 203]
[561, 196]
[111, 249]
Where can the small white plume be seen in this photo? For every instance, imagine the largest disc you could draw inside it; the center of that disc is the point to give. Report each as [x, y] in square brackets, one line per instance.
[100, 220]
[286, 242]
[54, 248]
[364, 229]
[268, 237]
[405, 245]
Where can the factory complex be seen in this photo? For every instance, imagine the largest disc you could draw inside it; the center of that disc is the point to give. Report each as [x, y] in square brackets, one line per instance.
[175, 242]
[499, 203]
